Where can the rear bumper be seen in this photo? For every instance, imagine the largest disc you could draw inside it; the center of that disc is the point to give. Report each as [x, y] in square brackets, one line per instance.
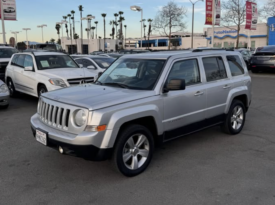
[263, 67]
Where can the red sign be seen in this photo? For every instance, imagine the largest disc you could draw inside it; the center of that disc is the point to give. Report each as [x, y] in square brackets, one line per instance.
[251, 16]
[209, 12]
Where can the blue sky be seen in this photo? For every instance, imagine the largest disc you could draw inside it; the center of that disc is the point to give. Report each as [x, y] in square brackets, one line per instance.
[31, 13]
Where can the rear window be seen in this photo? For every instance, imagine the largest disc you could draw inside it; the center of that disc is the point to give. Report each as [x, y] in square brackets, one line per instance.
[235, 65]
[267, 48]
[7, 52]
[214, 68]
[104, 62]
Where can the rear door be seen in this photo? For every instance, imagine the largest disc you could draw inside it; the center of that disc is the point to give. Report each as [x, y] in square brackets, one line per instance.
[218, 86]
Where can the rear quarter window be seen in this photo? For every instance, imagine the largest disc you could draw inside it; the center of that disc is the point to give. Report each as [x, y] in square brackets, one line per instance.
[235, 65]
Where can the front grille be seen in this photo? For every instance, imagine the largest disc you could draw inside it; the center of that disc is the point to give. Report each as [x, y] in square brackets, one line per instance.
[54, 116]
[78, 81]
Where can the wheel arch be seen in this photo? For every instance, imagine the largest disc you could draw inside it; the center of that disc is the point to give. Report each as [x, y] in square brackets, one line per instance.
[238, 94]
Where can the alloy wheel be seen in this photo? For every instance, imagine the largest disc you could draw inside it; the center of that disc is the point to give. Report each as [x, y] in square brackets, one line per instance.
[237, 117]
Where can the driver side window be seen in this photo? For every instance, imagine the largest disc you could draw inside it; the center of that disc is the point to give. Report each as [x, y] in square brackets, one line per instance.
[187, 70]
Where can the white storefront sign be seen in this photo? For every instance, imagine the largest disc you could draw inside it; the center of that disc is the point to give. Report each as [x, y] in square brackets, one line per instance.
[9, 10]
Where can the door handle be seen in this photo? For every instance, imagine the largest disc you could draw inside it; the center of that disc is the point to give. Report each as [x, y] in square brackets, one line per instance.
[226, 87]
[198, 93]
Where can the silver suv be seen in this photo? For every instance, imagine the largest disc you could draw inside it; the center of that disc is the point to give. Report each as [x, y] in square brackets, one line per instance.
[144, 99]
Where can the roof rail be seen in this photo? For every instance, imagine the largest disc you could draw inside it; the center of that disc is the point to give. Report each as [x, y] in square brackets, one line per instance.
[212, 49]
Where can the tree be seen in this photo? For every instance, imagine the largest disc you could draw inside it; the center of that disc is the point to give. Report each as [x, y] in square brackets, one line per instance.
[170, 19]
[73, 12]
[125, 26]
[76, 36]
[112, 23]
[52, 40]
[93, 29]
[121, 19]
[144, 27]
[69, 16]
[116, 24]
[96, 22]
[81, 29]
[104, 22]
[57, 27]
[149, 30]
[269, 9]
[66, 26]
[234, 13]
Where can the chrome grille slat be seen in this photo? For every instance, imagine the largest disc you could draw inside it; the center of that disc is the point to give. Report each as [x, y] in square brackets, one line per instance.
[58, 118]
[46, 112]
[53, 116]
[43, 109]
[64, 118]
[49, 114]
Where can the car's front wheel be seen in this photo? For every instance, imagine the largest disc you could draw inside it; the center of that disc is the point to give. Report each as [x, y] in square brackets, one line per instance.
[134, 150]
[41, 89]
[11, 87]
[235, 118]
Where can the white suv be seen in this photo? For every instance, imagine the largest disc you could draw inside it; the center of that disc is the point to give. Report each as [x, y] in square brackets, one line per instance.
[38, 72]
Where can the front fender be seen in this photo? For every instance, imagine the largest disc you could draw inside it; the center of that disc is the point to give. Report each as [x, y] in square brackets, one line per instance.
[243, 90]
[129, 114]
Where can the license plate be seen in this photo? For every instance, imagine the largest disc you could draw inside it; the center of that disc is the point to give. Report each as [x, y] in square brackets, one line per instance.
[41, 137]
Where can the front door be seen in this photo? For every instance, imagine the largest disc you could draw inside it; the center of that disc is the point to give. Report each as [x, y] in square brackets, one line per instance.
[184, 109]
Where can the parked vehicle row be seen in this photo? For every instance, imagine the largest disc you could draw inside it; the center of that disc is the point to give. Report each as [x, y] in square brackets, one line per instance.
[6, 53]
[144, 99]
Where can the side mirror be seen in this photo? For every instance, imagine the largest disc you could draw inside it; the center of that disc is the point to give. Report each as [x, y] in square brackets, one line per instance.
[174, 84]
[91, 67]
[28, 68]
[80, 65]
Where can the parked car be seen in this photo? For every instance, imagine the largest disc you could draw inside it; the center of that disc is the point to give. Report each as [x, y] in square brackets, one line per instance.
[143, 99]
[133, 51]
[112, 55]
[263, 60]
[39, 72]
[4, 95]
[96, 52]
[5, 54]
[9, 10]
[98, 63]
[246, 56]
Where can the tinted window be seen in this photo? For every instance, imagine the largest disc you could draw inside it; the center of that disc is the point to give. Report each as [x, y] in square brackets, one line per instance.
[235, 65]
[268, 48]
[214, 68]
[187, 70]
[7, 52]
[14, 59]
[87, 63]
[54, 62]
[20, 61]
[28, 61]
[104, 62]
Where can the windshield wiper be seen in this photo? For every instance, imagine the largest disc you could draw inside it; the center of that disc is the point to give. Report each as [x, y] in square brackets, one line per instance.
[118, 84]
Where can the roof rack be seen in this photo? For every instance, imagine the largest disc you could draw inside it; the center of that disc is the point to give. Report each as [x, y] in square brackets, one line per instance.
[212, 49]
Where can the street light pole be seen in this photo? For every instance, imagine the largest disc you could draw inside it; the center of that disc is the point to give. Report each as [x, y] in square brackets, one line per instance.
[138, 8]
[3, 42]
[27, 29]
[193, 4]
[41, 26]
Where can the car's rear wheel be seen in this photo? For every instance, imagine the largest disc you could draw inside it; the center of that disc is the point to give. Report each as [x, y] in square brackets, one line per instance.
[235, 118]
[134, 150]
[13, 92]
[41, 89]
[254, 71]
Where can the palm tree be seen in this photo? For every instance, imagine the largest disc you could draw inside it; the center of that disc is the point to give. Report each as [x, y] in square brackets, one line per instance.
[120, 20]
[52, 40]
[116, 24]
[69, 15]
[96, 22]
[75, 38]
[67, 31]
[57, 27]
[87, 30]
[144, 27]
[125, 26]
[73, 12]
[81, 9]
[104, 22]
[112, 23]
[93, 29]
[149, 29]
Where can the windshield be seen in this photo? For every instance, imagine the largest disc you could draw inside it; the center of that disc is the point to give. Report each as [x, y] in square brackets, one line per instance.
[7, 53]
[55, 61]
[104, 62]
[137, 74]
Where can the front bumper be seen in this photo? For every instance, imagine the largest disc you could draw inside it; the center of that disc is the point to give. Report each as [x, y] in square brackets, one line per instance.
[4, 99]
[85, 144]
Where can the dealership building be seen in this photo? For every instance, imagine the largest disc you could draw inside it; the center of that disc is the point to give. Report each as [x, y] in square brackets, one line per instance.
[224, 37]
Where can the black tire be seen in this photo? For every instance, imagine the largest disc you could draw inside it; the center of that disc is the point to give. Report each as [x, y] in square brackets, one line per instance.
[41, 89]
[13, 92]
[254, 71]
[233, 120]
[134, 132]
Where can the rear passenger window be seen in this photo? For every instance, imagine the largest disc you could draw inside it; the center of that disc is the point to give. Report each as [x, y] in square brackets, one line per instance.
[20, 61]
[187, 70]
[214, 68]
[235, 65]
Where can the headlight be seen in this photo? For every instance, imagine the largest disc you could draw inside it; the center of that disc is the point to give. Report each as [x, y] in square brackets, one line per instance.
[3, 88]
[58, 82]
[80, 118]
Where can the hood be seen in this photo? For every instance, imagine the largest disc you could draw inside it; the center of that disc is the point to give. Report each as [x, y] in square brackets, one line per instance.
[67, 73]
[95, 97]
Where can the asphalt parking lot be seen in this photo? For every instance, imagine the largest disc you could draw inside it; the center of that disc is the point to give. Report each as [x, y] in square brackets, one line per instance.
[208, 167]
